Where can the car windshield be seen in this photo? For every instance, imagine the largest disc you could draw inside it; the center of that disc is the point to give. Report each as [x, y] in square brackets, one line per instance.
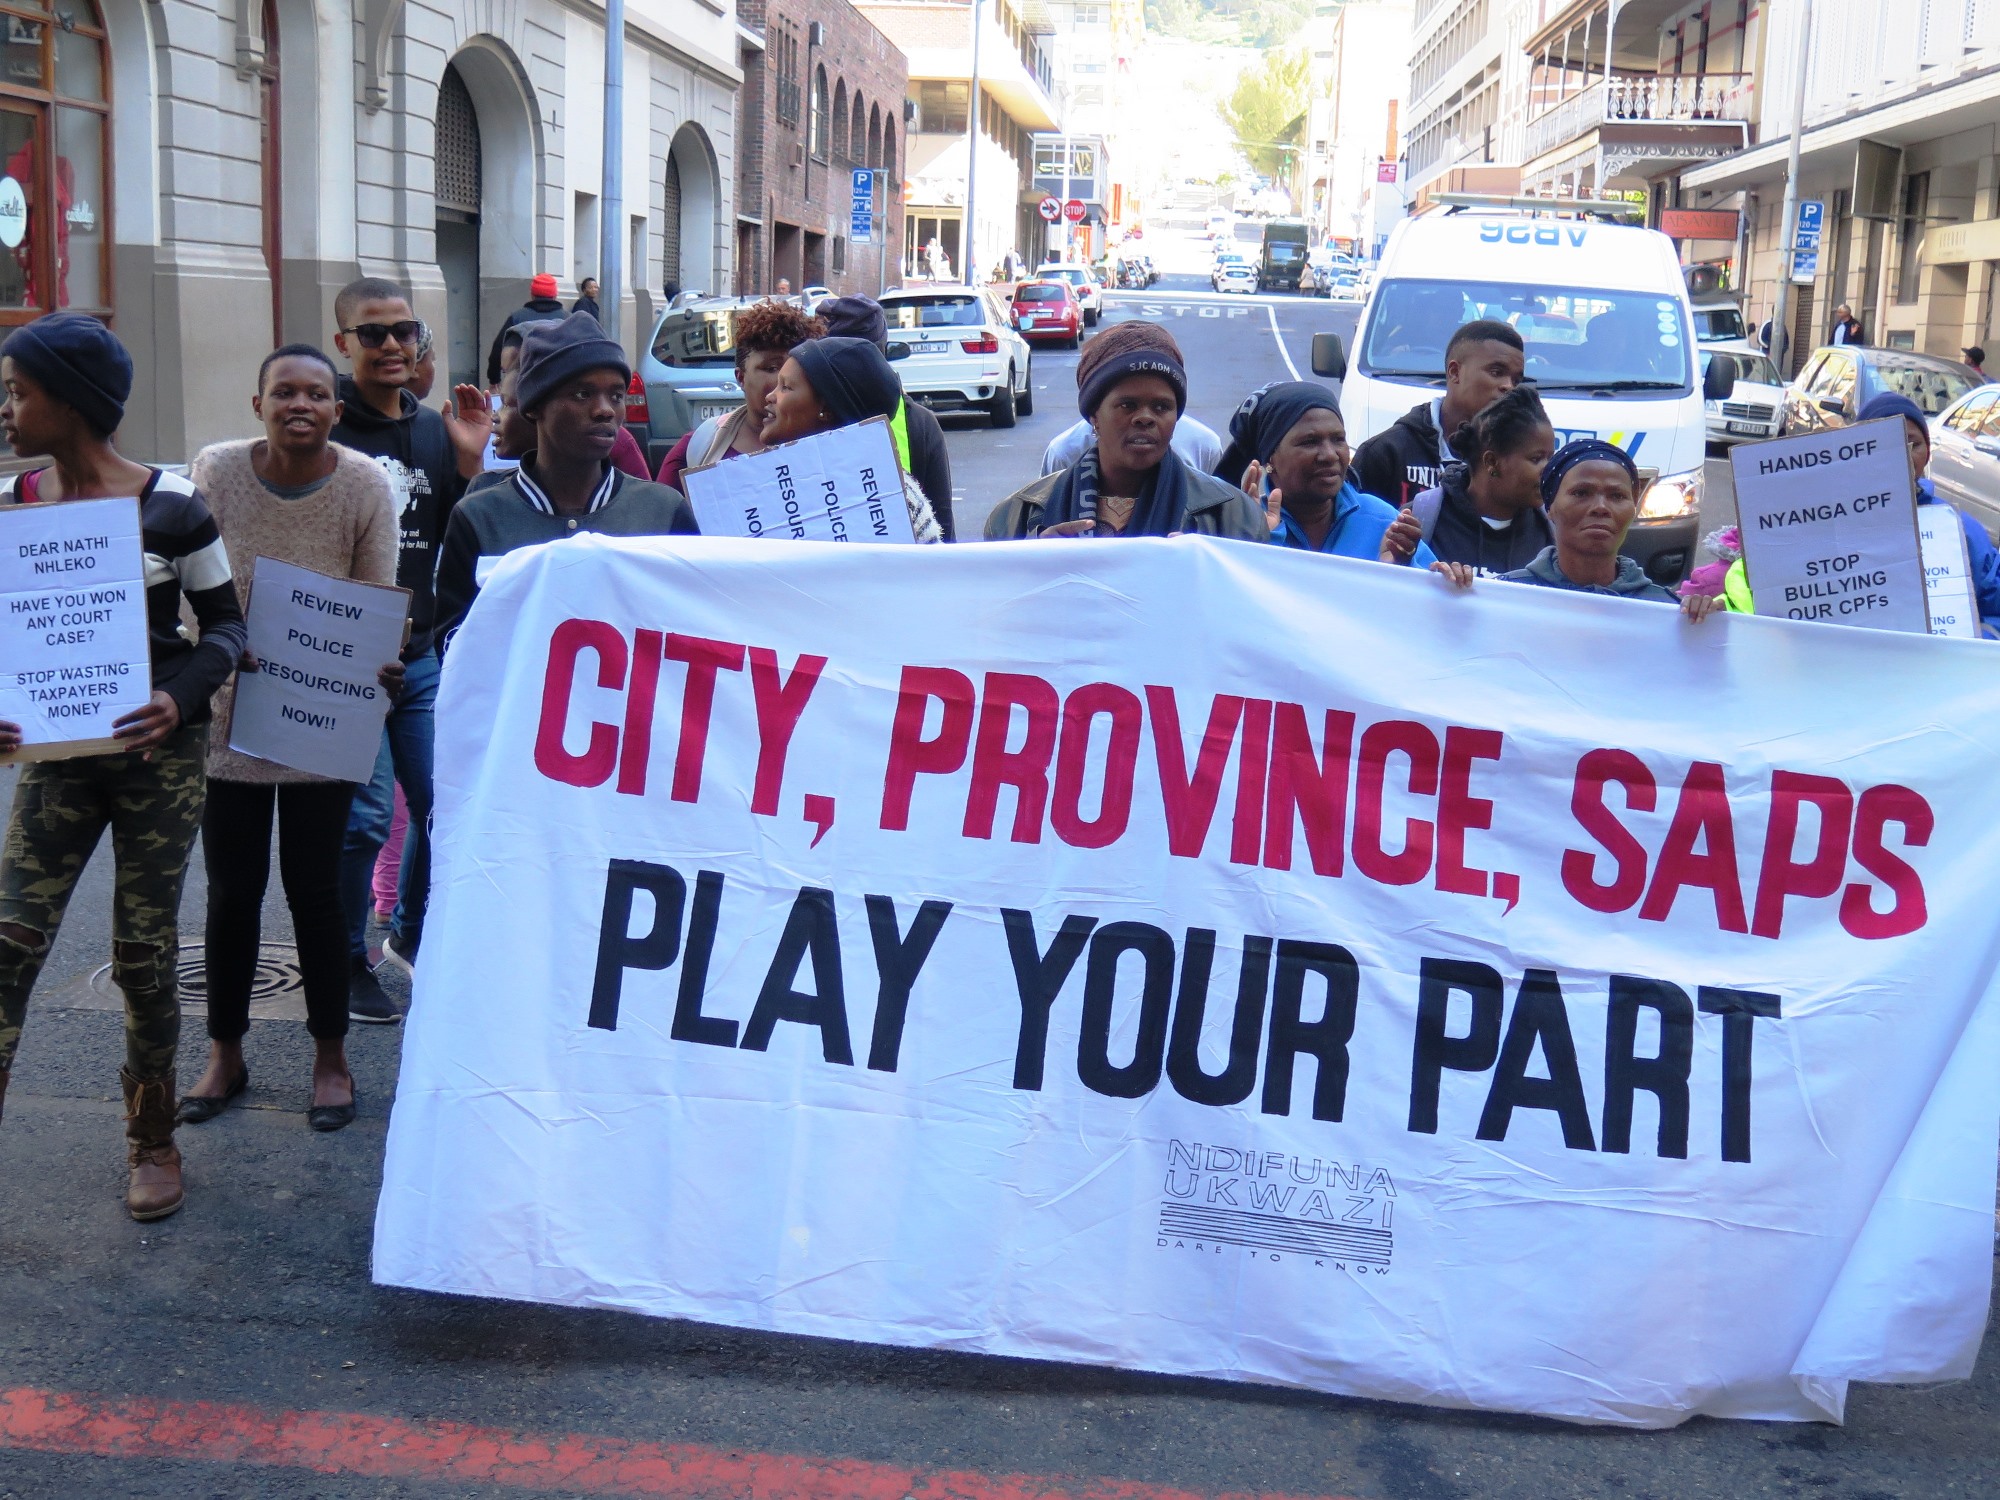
[1072, 274]
[1284, 252]
[934, 312]
[695, 337]
[1576, 338]
[1932, 386]
[1039, 294]
[1753, 368]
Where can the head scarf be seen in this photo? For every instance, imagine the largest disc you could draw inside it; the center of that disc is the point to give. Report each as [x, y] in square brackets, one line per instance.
[851, 378]
[1262, 421]
[1126, 349]
[552, 353]
[79, 362]
[1584, 451]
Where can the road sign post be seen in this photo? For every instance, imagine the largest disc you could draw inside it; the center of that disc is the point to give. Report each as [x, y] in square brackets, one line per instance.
[1805, 241]
[861, 208]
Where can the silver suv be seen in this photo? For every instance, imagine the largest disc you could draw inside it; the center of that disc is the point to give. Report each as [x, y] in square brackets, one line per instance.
[688, 370]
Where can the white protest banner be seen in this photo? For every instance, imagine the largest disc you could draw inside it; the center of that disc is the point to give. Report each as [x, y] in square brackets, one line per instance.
[838, 486]
[1828, 521]
[314, 703]
[1948, 590]
[1604, 1029]
[74, 656]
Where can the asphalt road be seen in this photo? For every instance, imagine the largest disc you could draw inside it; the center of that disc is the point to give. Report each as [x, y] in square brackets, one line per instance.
[257, 1300]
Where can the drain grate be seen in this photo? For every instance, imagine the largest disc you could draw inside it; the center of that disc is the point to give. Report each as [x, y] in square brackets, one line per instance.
[276, 977]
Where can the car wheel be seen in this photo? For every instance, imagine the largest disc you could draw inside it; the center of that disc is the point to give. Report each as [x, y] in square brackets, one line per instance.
[1090, 317]
[1001, 408]
[1076, 340]
[1025, 402]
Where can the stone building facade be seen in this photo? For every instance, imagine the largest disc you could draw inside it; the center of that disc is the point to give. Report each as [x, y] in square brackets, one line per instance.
[205, 174]
[822, 95]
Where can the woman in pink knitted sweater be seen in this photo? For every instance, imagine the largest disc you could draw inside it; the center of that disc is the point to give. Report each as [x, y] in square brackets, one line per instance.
[295, 497]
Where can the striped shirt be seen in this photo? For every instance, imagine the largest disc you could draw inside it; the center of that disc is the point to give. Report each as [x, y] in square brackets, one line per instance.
[184, 556]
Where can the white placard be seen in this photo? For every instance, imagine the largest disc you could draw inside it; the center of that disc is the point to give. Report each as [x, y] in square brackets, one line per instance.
[1098, 978]
[1954, 603]
[74, 656]
[838, 486]
[314, 703]
[1828, 521]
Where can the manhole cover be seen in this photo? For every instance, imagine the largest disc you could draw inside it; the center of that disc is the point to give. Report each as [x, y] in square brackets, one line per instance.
[276, 978]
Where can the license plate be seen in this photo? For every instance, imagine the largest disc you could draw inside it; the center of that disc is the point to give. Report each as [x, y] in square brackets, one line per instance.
[1748, 429]
[931, 348]
[706, 409]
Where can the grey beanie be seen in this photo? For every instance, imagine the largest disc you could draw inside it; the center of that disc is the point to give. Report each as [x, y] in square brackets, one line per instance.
[552, 353]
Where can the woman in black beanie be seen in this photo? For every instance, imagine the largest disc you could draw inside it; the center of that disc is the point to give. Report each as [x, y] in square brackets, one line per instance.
[1132, 389]
[67, 380]
[836, 382]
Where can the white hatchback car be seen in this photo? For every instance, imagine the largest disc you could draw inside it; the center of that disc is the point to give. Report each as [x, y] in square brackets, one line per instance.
[1088, 292]
[963, 352]
[1235, 276]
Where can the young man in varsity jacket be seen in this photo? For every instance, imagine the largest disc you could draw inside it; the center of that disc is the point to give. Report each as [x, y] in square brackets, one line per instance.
[67, 379]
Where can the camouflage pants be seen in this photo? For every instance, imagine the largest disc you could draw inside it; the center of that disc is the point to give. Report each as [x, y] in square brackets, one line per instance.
[61, 809]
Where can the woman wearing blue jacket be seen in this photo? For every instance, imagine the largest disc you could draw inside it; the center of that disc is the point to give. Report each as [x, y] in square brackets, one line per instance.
[1291, 432]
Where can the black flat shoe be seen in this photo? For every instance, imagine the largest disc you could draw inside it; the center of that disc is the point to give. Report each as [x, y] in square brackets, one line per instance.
[197, 1109]
[332, 1116]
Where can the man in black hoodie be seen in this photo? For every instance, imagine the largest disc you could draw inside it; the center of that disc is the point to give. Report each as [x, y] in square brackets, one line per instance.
[428, 458]
[540, 306]
[1482, 363]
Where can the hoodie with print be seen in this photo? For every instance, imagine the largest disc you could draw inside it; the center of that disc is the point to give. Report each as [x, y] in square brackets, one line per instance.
[414, 449]
[1404, 460]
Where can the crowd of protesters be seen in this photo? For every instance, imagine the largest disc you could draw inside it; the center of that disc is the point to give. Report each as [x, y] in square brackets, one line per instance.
[356, 477]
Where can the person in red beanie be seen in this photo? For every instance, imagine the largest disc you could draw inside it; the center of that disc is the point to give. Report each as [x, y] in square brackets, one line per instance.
[542, 304]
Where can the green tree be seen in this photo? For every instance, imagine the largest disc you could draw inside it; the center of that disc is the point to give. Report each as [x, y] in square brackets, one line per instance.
[1267, 111]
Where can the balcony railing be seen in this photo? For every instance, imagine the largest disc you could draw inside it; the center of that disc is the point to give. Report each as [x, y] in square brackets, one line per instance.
[1668, 98]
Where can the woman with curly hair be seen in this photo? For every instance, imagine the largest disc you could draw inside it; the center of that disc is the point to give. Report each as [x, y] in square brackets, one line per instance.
[766, 333]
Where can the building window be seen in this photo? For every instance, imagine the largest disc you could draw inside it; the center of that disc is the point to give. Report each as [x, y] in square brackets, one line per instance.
[1089, 15]
[819, 112]
[839, 119]
[1916, 203]
[941, 108]
[55, 210]
[785, 44]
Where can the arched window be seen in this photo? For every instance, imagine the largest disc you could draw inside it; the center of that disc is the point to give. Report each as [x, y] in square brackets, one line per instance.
[857, 141]
[817, 133]
[874, 135]
[840, 118]
[55, 210]
[889, 146]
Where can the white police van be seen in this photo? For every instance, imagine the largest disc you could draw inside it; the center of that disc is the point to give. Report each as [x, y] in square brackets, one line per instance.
[1603, 312]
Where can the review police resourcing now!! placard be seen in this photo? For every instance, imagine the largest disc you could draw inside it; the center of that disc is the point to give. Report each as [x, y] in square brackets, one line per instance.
[1213, 959]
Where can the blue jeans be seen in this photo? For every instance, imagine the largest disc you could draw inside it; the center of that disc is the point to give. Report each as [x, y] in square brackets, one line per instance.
[405, 757]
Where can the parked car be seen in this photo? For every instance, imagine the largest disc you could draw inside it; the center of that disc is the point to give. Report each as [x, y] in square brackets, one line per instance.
[964, 353]
[1346, 287]
[1082, 280]
[686, 373]
[1047, 312]
[1751, 412]
[1839, 379]
[1965, 454]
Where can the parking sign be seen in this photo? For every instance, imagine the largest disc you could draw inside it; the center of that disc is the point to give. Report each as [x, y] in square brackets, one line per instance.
[1805, 239]
[861, 211]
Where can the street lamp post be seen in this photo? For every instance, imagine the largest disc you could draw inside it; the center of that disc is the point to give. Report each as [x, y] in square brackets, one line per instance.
[967, 251]
[1788, 227]
[611, 198]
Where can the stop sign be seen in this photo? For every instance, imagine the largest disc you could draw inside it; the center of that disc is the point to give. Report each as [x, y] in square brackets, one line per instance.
[1050, 208]
[1073, 210]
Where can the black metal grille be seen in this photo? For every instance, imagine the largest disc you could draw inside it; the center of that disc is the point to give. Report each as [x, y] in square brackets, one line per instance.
[670, 225]
[457, 169]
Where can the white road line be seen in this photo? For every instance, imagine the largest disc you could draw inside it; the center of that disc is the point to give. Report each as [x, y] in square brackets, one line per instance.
[1283, 353]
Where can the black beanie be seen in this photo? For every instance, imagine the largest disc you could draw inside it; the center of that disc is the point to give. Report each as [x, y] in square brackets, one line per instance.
[79, 362]
[855, 318]
[851, 378]
[552, 353]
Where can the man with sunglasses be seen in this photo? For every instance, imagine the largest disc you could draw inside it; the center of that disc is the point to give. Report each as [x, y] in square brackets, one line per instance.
[428, 458]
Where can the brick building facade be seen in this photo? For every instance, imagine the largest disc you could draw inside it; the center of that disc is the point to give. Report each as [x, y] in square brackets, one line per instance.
[822, 96]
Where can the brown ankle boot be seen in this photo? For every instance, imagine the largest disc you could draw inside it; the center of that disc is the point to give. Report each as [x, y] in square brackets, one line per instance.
[155, 1190]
